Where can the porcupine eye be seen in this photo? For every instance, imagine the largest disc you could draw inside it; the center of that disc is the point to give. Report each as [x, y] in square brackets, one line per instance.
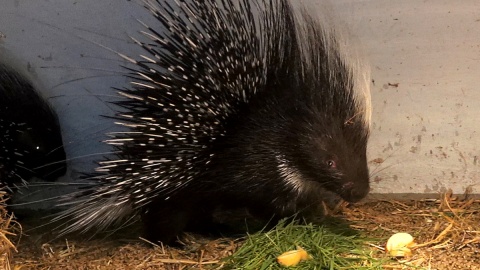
[331, 164]
[29, 143]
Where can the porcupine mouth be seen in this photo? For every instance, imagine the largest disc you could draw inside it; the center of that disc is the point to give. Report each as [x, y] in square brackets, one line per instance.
[351, 193]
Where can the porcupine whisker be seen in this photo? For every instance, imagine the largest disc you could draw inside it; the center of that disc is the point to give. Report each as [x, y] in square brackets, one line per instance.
[99, 45]
[82, 79]
[107, 73]
[61, 30]
[376, 170]
[110, 72]
[28, 185]
[54, 184]
[58, 148]
[52, 172]
[71, 33]
[31, 170]
[83, 95]
[53, 198]
[54, 219]
[47, 164]
[80, 157]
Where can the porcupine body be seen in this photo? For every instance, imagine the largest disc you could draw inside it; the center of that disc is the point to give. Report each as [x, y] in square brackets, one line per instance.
[235, 104]
[30, 135]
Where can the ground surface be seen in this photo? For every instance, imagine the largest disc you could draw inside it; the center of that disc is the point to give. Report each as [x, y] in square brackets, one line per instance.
[446, 230]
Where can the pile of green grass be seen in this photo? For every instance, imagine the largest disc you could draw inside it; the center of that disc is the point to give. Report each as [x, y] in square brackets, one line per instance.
[331, 246]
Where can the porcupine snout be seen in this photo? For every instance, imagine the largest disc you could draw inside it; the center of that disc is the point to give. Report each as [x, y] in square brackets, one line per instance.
[357, 185]
[354, 192]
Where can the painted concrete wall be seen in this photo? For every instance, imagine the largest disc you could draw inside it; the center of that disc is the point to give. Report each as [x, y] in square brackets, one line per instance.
[425, 59]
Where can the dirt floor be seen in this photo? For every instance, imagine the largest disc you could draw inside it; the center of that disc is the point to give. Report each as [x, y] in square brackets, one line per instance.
[446, 230]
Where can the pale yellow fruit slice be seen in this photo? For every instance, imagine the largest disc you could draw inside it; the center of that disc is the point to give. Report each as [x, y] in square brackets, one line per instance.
[293, 257]
[399, 244]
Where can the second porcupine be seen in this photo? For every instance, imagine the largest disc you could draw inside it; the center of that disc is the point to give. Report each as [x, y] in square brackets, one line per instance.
[236, 104]
[30, 135]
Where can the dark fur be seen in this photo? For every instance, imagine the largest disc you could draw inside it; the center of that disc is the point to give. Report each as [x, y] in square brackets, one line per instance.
[246, 117]
[30, 136]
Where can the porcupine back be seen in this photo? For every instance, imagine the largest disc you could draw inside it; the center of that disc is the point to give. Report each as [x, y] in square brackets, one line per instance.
[236, 103]
[30, 135]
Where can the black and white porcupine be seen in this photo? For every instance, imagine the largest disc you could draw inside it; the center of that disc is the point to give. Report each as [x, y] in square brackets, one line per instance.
[30, 136]
[235, 104]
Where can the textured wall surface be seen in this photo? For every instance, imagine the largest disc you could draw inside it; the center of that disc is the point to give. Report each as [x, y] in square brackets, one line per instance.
[426, 96]
[425, 59]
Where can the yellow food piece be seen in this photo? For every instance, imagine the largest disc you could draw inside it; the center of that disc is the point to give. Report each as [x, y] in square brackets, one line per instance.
[401, 252]
[292, 257]
[303, 254]
[399, 244]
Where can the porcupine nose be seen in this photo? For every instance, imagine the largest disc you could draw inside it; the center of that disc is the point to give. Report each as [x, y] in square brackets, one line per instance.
[353, 192]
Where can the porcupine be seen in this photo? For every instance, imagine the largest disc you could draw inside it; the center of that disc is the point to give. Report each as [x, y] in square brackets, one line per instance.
[236, 104]
[30, 139]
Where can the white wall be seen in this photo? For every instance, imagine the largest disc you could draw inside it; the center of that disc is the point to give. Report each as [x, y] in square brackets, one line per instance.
[425, 129]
